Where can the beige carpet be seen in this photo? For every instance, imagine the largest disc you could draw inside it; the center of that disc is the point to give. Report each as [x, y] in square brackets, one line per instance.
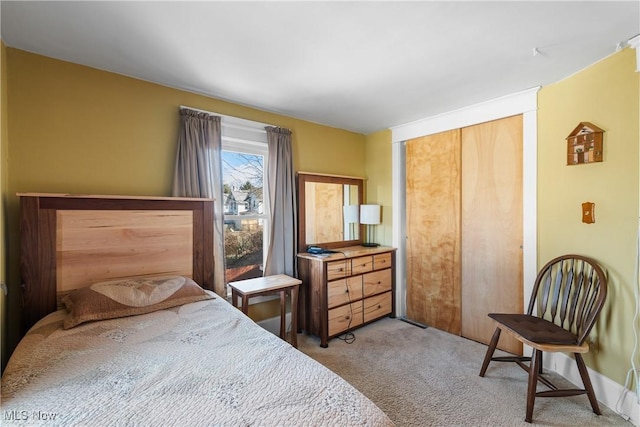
[426, 377]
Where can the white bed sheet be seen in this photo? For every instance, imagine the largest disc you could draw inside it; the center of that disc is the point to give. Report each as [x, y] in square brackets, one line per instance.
[201, 364]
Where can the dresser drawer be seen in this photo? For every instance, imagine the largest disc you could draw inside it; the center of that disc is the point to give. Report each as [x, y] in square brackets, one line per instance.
[361, 265]
[338, 286]
[377, 282]
[345, 317]
[343, 291]
[338, 269]
[377, 306]
[381, 261]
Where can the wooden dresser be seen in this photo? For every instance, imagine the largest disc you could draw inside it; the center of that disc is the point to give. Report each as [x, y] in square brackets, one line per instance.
[347, 289]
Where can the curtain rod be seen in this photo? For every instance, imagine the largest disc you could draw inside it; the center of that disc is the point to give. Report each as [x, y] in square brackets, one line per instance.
[183, 107]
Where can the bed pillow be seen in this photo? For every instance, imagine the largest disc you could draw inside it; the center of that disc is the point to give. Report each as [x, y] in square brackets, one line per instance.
[130, 297]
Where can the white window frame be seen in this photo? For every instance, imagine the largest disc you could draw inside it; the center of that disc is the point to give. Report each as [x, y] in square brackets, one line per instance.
[246, 136]
[260, 151]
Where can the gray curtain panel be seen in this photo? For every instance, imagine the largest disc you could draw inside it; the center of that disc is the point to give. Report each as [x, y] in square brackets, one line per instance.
[198, 173]
[282, 246]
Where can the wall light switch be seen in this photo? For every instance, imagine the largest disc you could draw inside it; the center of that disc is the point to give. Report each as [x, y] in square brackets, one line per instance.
[588, 212]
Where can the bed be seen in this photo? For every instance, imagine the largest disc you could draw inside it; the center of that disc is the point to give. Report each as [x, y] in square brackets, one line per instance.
[179, 354]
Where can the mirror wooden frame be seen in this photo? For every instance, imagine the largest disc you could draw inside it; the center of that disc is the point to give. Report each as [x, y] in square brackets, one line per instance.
[303, 178]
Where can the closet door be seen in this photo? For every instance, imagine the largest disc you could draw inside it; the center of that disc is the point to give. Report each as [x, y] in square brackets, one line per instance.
[491, 227]
[433, 230]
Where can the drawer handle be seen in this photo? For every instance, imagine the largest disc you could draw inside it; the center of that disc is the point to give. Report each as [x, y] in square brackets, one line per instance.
[379, 282]
[346, 317]
[379, 306]
[346, 290]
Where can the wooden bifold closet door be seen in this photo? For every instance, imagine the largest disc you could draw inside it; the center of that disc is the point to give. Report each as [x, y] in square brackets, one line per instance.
[464, 228]
[433, 230]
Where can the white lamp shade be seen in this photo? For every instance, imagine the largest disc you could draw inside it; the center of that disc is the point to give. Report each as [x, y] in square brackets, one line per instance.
[350, 214]
[370, 214]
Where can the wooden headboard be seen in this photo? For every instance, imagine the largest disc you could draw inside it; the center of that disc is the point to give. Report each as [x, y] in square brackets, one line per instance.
[72, 241]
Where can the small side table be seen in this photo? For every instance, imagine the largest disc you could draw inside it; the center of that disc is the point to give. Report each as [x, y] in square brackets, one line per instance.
[280, 283]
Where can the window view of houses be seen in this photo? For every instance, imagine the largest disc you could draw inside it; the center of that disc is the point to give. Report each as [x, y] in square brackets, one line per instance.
[243, 215]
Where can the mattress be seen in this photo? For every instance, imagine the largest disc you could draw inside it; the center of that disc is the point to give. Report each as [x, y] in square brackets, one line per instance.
[198, 364]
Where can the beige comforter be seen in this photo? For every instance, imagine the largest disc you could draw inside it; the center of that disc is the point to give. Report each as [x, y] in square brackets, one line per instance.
[199, 364]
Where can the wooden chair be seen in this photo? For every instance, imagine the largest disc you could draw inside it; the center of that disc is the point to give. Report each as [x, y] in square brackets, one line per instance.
[567, 298]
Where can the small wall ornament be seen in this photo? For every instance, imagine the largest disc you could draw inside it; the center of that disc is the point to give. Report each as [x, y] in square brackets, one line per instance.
[584, 144]
[588, 212]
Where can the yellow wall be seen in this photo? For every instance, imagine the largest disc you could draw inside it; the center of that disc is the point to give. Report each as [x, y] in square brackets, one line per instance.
[77, 129]
[378, 185]
[4, 170]
[80, 130]
[99, 131]
[605, 94]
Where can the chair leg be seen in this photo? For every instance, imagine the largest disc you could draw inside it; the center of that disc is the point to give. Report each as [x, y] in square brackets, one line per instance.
[489, 354]
[536, 360]
[584, 374]
[541, 363]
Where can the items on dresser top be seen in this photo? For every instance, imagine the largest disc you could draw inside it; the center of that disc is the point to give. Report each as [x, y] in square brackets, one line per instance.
[347, 289]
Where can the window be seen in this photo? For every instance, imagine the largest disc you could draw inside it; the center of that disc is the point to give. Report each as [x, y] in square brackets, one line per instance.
[244, 158]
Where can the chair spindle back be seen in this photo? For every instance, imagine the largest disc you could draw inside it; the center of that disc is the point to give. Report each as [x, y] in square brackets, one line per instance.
[569, 291]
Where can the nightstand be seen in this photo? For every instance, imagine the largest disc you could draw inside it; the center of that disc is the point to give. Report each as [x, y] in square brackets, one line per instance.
[281, 284]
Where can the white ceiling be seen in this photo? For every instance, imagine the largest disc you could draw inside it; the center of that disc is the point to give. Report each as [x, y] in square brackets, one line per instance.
[361, 66]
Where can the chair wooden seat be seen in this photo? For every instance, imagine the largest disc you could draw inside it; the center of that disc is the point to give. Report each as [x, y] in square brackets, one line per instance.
[535, 330]
[568, 295]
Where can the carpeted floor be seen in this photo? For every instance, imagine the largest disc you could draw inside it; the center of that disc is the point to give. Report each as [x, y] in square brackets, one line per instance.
[427, 377]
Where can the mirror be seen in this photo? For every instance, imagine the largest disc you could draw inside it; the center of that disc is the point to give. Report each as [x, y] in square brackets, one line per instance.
[328, 210]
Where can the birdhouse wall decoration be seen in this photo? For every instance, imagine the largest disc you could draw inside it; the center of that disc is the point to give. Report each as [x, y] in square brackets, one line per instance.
[584, 144]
